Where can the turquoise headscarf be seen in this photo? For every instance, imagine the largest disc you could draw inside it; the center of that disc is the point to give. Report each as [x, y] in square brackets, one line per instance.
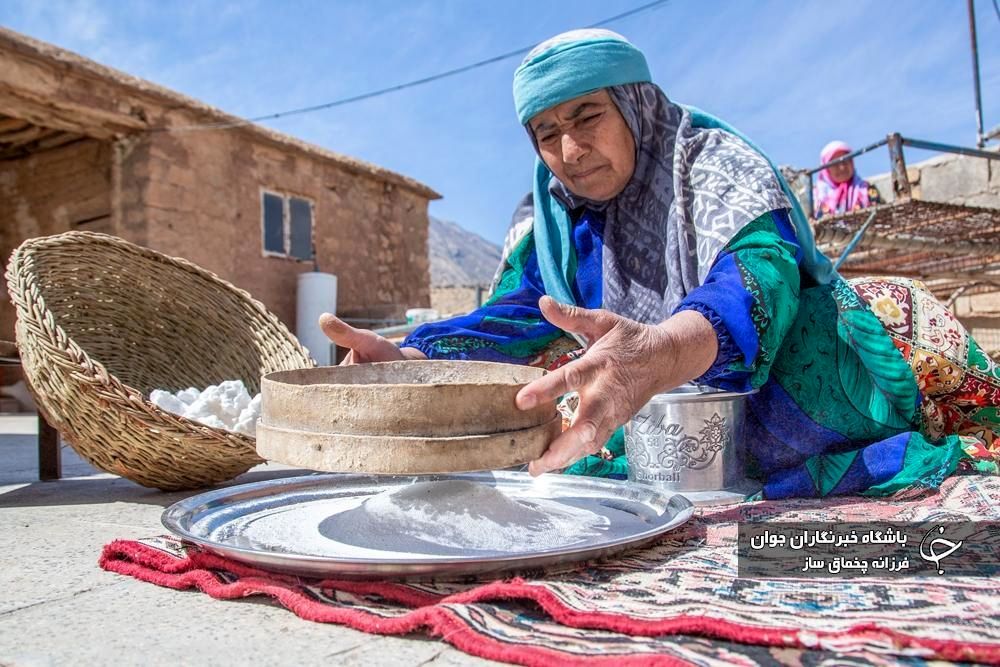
[568, 69]
[580, 62]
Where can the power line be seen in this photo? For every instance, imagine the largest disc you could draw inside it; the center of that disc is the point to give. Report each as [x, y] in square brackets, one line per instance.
[392, 89]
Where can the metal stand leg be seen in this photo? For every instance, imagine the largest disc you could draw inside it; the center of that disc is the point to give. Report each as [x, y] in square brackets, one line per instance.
[49, 463]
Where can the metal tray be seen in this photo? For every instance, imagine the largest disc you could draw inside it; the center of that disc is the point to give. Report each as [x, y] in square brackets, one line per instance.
[315, 526]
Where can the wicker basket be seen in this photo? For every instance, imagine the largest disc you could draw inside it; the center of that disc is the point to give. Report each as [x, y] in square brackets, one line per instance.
[102, 322]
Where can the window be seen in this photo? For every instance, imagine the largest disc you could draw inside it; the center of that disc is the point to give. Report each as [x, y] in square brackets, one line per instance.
[287, 226]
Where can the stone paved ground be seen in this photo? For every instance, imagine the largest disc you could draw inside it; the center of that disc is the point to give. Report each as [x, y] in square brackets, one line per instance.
[58, 607]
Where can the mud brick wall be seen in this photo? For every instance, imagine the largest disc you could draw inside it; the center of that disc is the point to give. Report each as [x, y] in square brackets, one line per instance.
[202, 201]
[48, 193]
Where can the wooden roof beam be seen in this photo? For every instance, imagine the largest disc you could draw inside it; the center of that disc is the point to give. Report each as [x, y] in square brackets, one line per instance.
[70, 117]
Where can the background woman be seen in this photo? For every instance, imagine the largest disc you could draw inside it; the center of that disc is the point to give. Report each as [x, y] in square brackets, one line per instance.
[839, 189]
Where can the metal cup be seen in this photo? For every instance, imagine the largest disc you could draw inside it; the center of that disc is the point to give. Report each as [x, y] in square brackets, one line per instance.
[690, 441]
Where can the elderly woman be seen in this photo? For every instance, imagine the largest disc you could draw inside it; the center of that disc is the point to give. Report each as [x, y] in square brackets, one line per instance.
[838, 188]
[659, 247]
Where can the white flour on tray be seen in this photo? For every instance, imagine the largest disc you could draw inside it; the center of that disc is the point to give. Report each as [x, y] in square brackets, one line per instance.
[466, 515]
[453, 514]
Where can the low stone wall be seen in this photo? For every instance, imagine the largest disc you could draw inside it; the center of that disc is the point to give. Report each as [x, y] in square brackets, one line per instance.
[954, 179]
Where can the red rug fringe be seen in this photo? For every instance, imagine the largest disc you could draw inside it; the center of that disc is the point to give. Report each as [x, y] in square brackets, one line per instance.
[430, 613]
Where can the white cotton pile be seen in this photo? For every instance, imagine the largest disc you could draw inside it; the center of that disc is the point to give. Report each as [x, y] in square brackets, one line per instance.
[226, 405]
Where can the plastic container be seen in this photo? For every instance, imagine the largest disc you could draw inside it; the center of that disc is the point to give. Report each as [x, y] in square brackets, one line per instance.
[317, 294]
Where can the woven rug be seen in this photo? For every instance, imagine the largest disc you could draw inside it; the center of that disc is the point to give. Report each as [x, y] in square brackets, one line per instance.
[677, 602]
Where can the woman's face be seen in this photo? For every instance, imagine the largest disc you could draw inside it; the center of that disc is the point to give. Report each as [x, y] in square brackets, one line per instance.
[843, 172]
[587, 144]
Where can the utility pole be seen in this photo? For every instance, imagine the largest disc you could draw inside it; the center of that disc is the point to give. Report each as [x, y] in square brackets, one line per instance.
[980, 139]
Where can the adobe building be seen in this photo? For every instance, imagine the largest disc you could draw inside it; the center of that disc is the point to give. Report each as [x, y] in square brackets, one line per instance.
[86, 147]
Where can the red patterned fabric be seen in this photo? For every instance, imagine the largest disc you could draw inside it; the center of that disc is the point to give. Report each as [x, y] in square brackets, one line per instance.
[677, 602]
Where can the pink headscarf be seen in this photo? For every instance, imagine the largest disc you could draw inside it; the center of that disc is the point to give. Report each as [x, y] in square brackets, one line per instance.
[830, 198]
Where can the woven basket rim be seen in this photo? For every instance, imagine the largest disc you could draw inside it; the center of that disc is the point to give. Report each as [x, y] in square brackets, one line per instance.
[27, 247]
[69, 238]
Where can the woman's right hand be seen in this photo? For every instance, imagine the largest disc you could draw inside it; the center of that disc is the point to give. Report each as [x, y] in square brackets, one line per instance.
[365, 346]
[625, 364]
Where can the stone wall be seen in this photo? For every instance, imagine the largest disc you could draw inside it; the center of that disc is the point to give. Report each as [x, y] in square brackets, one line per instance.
[46, 193]
[950, 178]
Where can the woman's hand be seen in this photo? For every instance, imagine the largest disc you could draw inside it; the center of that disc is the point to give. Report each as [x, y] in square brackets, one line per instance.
[626, 364]
[365, 346]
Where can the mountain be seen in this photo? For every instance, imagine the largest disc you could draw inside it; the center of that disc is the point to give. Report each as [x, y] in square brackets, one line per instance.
[460, 257]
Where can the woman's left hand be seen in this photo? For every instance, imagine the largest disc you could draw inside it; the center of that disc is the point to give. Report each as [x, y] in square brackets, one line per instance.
[626, 364]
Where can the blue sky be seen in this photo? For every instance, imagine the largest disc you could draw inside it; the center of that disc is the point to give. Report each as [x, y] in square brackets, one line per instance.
[790, 74]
